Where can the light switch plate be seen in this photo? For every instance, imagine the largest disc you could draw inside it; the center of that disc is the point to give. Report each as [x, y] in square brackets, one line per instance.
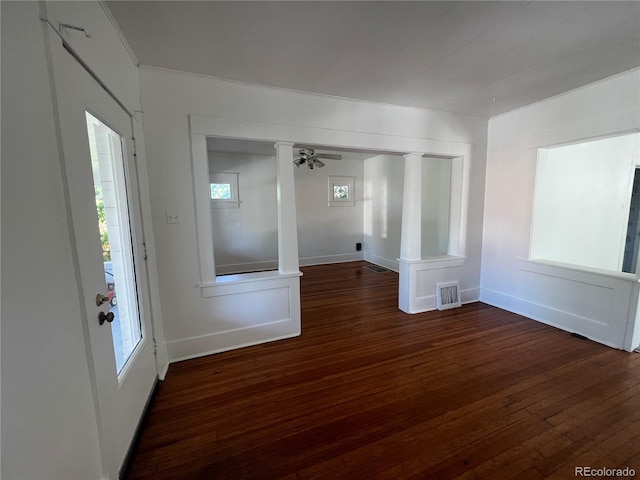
[173, 217]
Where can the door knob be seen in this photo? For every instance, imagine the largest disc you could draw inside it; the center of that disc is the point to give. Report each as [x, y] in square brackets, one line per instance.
[105, 317]
[100, 299]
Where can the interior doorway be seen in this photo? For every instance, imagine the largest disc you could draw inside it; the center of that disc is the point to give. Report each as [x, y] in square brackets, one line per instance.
[632, 242]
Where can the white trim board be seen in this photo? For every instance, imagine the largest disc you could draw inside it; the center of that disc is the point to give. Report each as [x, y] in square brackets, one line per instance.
[326, 259]
[609, 126]
[231, 128]
[383, 262]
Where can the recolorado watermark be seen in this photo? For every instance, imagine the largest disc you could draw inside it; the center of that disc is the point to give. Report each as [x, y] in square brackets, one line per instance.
[627, 472]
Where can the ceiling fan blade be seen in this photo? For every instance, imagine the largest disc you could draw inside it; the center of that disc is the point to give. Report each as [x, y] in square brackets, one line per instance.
[329, 156]
[318, 163]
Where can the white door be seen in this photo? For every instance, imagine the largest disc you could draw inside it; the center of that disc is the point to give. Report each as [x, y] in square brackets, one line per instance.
[98, 151]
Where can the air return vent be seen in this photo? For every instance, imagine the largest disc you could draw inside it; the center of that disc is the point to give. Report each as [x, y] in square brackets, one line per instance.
[447, 295]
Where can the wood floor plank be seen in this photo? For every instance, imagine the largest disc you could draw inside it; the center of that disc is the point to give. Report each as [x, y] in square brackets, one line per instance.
[369, 392]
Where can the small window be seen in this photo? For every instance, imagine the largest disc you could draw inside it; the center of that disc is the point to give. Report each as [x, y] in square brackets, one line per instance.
[341, 191]
[220, 191]
[224, 190]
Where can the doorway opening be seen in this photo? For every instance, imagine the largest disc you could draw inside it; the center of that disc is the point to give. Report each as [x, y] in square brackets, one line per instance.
[582, 206]
[630, 261]
[107, 162]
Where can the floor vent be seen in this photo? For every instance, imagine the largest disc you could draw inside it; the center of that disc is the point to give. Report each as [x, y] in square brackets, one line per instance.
[447, 295]
[376, 268]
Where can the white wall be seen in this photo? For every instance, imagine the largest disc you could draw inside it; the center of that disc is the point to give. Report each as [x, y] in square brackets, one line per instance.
[192, 325]
[328, 234]
[436, 199]
[245, 239]
[589, 303]
[581, 202]
[49, 427]
[384, 184]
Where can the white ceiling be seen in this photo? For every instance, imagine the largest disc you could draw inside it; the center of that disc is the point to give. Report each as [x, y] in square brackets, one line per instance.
[477, 57]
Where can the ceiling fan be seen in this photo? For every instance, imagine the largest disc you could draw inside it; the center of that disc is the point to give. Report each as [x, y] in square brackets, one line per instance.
[312, 160]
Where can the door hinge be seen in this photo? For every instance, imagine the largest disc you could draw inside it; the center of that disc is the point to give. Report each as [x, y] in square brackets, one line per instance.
[144, 245]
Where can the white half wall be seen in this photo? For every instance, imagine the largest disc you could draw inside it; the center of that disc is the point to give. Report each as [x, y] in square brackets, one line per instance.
[249, 309]
[554, 294]
[418, 282]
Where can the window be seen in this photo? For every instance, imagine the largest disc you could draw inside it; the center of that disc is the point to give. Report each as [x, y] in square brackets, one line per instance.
[584, 206]
[224, 190]
[220, 191]
[341, 191]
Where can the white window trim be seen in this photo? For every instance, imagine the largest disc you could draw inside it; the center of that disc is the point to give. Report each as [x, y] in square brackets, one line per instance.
[336, 180]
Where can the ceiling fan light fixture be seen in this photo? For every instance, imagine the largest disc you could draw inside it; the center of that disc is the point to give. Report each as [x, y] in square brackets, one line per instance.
[309, 157]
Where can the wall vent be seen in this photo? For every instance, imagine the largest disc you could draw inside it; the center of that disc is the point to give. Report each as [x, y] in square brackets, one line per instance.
[447, 295]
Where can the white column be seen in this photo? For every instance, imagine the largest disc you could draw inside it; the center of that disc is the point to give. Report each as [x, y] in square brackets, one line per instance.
[287, 222]
[411, 235]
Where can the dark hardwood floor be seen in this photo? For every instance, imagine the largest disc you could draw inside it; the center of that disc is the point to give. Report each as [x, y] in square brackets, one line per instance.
[368, 392]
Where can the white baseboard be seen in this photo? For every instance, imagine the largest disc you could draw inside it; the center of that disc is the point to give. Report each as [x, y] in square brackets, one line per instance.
[383, 262]
[567, 321]
[217, 342]
[324, 259]
[470, 295]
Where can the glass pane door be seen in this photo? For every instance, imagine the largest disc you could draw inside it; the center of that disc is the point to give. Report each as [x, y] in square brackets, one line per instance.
[115, 236]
